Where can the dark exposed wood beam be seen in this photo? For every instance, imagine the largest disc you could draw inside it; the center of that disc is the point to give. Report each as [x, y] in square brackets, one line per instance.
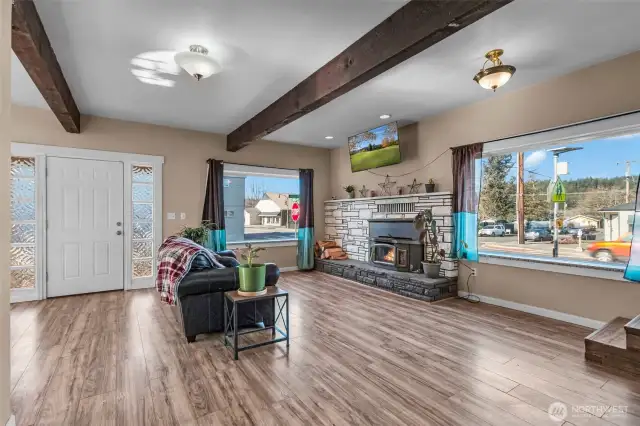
[31, 45]
[411, 29]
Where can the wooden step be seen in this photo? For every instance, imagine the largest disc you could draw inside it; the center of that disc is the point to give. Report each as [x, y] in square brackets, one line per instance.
[632, 328]
[608, 346]
[612, 334]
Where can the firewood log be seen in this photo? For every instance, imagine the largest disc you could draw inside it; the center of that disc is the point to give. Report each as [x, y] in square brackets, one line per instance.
[327, 244]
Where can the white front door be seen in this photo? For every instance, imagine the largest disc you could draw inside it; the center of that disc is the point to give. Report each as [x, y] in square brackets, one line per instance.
[85, 245]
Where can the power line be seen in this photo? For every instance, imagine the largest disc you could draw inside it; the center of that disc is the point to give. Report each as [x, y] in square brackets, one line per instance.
[627, 175]
[414, 171]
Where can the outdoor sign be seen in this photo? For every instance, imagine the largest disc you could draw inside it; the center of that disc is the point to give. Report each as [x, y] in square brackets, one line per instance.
[559, 222]
[295, 211]
[562, 168]
[558, 194]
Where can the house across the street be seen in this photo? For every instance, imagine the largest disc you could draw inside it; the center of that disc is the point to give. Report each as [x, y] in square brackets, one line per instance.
[618, 220]
[582, 221]
[251, 216]
[275, 209]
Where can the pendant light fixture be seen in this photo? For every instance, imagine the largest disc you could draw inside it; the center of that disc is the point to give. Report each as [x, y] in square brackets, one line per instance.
[197, 62]
[497, 75]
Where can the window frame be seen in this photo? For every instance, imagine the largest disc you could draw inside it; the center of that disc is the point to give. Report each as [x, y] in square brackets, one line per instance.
[603, 128]
[244, 170]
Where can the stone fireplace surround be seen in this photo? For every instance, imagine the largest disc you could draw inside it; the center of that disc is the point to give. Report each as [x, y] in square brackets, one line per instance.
[347, 222]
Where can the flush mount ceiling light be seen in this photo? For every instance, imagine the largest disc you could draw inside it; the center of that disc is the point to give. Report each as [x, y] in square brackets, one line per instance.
[328, 137]
[496, 76]
[197, 62]
[385, 116]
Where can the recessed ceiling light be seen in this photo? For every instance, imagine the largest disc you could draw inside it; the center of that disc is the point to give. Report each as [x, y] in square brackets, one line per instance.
[328, 137]
[385, 116]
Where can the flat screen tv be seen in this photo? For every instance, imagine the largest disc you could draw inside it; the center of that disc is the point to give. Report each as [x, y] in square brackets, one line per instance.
[374, 148]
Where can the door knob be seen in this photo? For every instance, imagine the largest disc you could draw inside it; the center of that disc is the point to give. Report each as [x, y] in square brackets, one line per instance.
[118, 232]
[119, 223]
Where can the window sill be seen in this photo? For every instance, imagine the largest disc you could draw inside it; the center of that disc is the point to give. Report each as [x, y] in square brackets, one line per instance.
[263, 243]
[562, 266]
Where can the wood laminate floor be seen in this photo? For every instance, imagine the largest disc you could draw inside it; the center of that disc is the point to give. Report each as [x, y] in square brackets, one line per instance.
[358, 356]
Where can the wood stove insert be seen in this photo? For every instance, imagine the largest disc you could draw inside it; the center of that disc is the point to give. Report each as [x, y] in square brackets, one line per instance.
[395, 244]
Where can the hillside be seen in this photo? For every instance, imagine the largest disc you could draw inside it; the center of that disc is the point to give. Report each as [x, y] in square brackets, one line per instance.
[584, 195]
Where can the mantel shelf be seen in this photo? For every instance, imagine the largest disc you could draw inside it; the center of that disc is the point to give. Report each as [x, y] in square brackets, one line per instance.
[424, 194]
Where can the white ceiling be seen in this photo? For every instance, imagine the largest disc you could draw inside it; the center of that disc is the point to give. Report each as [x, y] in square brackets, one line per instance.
[541, 38]
[269, 46]
[266, 48]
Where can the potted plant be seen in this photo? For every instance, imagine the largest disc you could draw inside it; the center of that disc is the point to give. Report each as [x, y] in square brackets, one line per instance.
[433, 254]
[430, 187]
[198, 234]
[251, 275]
[351, 190]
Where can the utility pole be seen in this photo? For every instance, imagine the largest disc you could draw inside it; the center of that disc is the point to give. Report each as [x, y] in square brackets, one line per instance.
[627, 175]
[520, 198]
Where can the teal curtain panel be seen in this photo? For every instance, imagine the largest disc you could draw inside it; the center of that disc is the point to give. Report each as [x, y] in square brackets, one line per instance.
[466, 195]
[632, 272]
[306, 238]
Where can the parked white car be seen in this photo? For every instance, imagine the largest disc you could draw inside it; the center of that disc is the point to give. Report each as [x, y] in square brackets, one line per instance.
[492, 231]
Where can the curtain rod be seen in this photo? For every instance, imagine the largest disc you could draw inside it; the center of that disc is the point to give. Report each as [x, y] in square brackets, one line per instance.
[255, 165]
[564, 126]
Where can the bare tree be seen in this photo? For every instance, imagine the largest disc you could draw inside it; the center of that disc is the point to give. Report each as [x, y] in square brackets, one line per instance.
[353, 143]
[256, 191]
[390, 131]
[593, 201]
[357, 140]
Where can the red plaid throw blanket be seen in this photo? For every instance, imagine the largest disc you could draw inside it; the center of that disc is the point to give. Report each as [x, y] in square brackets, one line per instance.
[175, 256]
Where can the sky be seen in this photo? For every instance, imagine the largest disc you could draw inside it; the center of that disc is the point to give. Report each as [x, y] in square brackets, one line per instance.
[598, 158]
[272, 184]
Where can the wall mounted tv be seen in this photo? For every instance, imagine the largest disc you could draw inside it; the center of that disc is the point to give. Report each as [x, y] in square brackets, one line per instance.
[374, 148]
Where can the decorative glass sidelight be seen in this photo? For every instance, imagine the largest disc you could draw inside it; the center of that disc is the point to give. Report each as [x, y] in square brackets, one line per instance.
[22, 260]
[142, 249]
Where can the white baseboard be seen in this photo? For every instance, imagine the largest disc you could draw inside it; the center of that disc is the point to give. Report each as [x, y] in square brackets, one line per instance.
[11, 421]
[23, 295]
[561, 316]
[289, 269]
[140, 286]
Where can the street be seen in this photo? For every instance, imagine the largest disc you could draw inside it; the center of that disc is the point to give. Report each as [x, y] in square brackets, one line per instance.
[268, 232]
[509, 244]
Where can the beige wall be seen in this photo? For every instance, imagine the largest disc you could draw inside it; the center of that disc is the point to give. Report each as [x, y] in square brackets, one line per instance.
[185, 154]
[602, 90]
[5, 111]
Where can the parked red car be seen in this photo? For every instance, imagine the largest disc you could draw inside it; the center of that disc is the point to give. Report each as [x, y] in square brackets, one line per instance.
[610, 251]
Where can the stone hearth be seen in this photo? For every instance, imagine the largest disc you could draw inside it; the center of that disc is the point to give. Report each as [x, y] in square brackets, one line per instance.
[408, 284]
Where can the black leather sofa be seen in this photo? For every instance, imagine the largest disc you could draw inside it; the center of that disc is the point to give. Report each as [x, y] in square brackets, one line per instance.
[201, 298]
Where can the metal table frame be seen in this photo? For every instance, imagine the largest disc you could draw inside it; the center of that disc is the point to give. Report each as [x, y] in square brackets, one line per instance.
[231, 331]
